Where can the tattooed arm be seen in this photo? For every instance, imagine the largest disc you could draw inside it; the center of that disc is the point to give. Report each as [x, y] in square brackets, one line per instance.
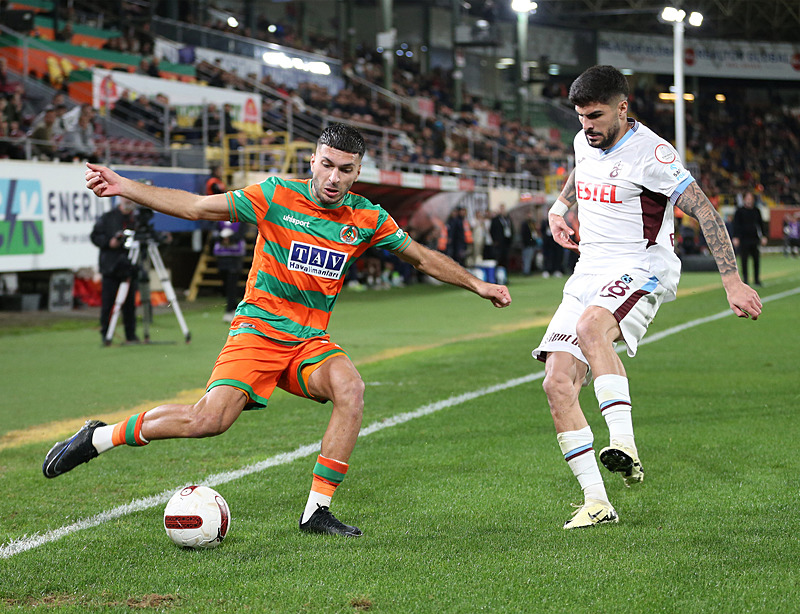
[568, 194]
[558, 226]
[743, 300]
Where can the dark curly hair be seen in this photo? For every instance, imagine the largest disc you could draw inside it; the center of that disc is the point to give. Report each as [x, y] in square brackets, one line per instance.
[603, 84]
[343, 138]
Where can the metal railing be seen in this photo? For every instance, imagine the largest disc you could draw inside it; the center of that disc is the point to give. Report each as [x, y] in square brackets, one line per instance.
[308, 126]
[200, 36]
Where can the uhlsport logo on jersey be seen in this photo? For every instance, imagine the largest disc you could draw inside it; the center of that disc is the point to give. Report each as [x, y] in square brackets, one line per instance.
[315, 260]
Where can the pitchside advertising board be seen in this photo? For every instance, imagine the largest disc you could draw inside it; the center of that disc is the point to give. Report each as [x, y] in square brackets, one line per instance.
[47, 214]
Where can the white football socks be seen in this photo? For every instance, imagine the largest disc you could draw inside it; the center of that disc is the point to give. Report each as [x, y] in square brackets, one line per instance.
[315, 499]
[615, 404]
[579, 454]
[101, 438]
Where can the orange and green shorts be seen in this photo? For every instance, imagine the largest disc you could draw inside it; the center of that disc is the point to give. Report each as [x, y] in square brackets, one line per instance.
[255, 364]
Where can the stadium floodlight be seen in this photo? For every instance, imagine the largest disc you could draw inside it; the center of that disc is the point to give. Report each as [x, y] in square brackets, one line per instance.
[672, 15]
[522, 8]
[675, 16]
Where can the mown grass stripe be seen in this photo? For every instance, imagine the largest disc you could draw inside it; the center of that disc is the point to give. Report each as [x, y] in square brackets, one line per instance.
[30, 542]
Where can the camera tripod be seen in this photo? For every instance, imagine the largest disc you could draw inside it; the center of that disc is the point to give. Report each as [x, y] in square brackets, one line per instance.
[137, 259]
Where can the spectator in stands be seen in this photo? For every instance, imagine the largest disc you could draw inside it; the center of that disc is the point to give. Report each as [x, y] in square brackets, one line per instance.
[214, 73]
[7, 85]
[485, 221]
[154, 70]
[479, 231]
[57, 101]
[8, 147]
[142, 113]
[232, 132]
[60, 123]
[65, 34]
[71, 117]
[211, 123]
[229, 250]
[43, 144]
[145, 38]
[749, 234]
[529, 237]
[456, 235]
[791, 234]
[552, 252]
[165, 113]
[502, 231]
[111, 44]
[108, 235]
[215, 183]
[19, 110]
[79, 143]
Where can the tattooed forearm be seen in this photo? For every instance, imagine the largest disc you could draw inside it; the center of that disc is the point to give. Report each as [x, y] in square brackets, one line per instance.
[568, 193]
[694, 203]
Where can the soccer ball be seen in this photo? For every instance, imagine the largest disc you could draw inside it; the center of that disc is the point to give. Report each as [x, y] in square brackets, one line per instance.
[197, 517]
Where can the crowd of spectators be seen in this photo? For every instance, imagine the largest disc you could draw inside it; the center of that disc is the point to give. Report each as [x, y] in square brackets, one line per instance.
[56, 132]
[444, 137]
[735, 146]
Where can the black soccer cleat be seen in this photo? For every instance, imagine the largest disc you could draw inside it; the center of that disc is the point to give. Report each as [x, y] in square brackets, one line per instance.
[322, 521]
[67, 455]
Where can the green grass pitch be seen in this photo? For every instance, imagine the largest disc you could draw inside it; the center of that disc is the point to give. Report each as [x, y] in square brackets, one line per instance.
[461, 507]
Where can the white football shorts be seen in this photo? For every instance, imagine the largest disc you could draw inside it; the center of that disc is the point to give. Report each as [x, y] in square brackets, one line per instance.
[633, 298]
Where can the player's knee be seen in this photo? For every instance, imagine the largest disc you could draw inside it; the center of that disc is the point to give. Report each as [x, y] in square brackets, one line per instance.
[559, 388]
[206, 423]
[353, 392]
[348, 397]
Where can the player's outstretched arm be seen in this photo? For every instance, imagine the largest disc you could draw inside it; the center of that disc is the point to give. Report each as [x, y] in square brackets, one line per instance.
[104, 182]
[744, 301]
[445, 269]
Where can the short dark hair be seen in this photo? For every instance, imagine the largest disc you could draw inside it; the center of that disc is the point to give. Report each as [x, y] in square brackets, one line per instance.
[601, 84]
[343, 138]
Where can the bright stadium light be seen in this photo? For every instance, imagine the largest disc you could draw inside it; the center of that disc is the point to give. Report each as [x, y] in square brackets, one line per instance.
[676, 16]
[523, 6]
[673, 15]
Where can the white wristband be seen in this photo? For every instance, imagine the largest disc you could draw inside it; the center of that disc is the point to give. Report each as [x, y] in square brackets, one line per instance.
[558, 208]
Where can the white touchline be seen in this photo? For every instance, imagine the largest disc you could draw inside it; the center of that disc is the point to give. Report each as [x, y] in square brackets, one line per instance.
[29, 542]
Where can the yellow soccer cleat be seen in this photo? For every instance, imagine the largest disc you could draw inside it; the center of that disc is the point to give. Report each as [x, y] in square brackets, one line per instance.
[591, 513]
[623, 460]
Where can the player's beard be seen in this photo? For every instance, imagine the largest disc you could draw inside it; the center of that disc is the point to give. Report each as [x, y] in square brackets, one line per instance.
[608, 140]
[321, 194]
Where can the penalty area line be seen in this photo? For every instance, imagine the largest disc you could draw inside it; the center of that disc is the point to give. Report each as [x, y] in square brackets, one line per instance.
[26, 543]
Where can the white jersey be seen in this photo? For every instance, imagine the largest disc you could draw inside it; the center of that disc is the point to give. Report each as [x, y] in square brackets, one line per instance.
[626, 196]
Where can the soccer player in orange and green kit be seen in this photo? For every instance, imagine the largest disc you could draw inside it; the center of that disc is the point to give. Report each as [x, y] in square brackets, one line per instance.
[309, 233]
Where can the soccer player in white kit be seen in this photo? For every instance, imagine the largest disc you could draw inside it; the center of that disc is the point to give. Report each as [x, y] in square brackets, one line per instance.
[625, 182]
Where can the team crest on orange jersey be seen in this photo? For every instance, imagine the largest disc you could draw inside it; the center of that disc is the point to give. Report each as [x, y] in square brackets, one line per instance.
[349, 235]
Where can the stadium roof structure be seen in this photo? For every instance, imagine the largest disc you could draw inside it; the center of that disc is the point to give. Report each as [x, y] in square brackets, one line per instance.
[767, 20]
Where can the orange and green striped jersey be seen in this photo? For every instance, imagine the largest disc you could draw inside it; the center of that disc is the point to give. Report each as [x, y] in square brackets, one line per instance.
[302, 253]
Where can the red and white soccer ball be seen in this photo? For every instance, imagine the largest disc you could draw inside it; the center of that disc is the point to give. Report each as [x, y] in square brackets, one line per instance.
[197, 517]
